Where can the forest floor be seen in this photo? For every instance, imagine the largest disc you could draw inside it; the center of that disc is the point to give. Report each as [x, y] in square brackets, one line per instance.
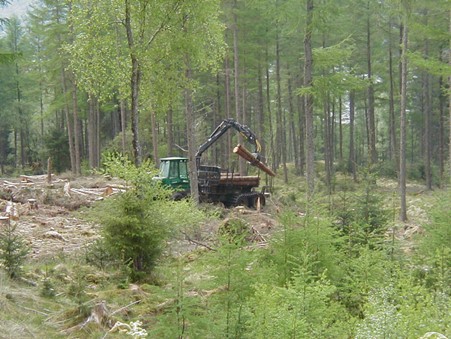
[49, 218]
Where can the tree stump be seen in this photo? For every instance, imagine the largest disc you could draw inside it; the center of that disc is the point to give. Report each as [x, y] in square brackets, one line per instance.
[4, 220]
[33, 204]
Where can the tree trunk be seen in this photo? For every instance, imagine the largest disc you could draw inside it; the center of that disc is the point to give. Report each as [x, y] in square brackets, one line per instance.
[220, 149]
[328, 145]
[260, 109]
[93, 131]
[393, 147]
[241, 163]
[403, 127]
[170, 132]
[352, 157]
[281, 144]
[76, 131]
[68, 122]
[190, 133]
[134, 86]
[20, 115]
[372, 153]
[427, 131]
[427, 114]
[227, 108]
[294, 137]
[153, 122]
[308, 82]
[301, 124]
[326, 132]
[123, 108]
[268, 104]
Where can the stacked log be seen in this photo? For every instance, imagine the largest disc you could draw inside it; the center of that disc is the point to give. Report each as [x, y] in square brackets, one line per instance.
[245, 154]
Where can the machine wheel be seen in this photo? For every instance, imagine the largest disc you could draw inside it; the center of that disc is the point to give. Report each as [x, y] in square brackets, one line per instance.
[253, 200]
[177, 196]
[250, 200]
[241, 200]
[262, 200]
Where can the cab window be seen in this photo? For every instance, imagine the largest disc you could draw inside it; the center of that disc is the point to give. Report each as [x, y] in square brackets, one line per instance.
[164, 169]
[183, 170]
[173, 170]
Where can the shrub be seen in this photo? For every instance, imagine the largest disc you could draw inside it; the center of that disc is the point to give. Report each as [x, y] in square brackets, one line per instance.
[434, 249]
[137, 223]
[13, 250]
[309, 240]
[303, 309]
[403, 309]
[98, 255]
[362, 216]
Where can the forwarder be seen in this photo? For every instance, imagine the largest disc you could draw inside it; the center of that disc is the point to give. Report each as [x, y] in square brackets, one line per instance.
[215, 184]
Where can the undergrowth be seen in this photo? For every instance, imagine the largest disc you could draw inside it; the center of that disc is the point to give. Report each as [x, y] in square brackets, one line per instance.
[338, 271]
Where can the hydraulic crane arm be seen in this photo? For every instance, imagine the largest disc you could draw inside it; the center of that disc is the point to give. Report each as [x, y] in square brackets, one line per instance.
[225, 125]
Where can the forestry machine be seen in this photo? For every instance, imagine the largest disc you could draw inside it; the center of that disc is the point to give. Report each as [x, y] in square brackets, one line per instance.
[215, 184]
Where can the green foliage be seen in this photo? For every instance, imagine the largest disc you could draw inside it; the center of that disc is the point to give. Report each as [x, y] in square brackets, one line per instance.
[381, 316]
[234, 274]
[76, 289]
[48, 289]
[134, 231]
[305, 240]
[363, 271]
[304, 308]
[404, 309]
[137, 223]
[187, 315]
[234, 231]
[57, 148]
[362, 215]
[434, 249]
[98, 255]
[431, 65]
[388, 169]
[13, 250]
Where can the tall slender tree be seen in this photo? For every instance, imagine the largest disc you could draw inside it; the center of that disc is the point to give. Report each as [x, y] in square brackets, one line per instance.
[372, 152]
[403, 120]
[308, 97]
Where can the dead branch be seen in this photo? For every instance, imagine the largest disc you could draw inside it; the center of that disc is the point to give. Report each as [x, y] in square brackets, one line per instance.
[187, 237]
[125, 307]
[258, 234]
[99, 315]
[32, 310]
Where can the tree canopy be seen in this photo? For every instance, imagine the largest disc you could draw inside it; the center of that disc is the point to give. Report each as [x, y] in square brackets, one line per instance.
[112, 76]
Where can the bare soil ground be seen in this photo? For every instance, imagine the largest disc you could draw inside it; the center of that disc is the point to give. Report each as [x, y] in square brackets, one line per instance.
[47, 214]
[43, 211]
[44, 214]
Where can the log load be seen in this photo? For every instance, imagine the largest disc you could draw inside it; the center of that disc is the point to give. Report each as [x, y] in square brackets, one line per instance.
[237, 180]
[245, 154]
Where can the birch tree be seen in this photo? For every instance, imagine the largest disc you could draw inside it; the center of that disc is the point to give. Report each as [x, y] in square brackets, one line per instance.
[146, 56]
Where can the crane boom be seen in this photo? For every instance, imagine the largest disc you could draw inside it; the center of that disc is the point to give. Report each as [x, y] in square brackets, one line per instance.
[223, 127]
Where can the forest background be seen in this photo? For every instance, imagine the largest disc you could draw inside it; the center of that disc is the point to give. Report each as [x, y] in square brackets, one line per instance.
[315, 83]
[330, 87]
